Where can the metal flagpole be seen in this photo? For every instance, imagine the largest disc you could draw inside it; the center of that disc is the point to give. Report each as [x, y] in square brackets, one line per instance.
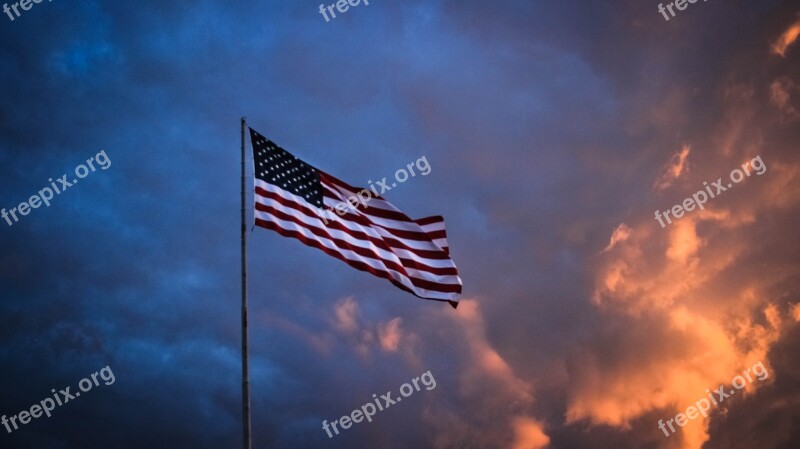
[248, 443]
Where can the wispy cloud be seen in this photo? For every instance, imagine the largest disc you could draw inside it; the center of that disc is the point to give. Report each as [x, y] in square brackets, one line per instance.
[676, 167]
[786, 39]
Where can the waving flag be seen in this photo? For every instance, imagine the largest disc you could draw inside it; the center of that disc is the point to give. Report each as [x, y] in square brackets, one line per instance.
[296, 200]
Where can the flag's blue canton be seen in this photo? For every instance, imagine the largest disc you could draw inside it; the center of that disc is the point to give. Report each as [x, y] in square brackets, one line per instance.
[277, 166]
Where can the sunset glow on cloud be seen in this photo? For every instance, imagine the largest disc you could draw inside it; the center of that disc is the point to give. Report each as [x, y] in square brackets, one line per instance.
[787, 39]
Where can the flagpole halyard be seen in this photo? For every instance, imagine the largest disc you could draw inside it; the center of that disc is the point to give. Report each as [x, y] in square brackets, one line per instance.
[245, 356]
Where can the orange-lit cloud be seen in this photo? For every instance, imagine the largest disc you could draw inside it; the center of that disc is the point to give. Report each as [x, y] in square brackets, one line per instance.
[786, 39]
[698, 337]
[676, 167]
[528, 434]
[620, 235]
[781, 91]
[346, 315]
[688, 328]
[365, 337]
[486, 363]
[500, 414]
[389, 334]
[784, 186]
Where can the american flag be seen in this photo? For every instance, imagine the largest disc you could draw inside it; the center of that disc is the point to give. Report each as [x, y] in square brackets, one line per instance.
[296, 199]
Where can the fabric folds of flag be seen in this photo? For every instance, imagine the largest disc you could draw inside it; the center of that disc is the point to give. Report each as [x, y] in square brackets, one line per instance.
[296, 200]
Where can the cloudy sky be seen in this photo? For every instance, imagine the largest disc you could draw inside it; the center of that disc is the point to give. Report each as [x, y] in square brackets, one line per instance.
[554, 131]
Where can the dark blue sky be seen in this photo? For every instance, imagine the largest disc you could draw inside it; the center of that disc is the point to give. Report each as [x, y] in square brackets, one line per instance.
[553, 131]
